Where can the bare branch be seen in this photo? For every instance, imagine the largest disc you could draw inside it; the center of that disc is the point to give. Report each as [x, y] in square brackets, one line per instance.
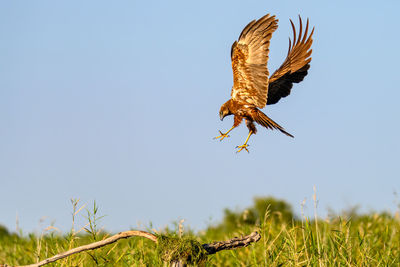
[95, 245]
[236, 242]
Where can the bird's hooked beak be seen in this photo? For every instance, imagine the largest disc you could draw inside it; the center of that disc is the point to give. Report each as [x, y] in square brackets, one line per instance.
[221, 116]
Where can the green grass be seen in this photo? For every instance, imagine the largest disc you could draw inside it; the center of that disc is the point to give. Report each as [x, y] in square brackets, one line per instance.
[347, 240]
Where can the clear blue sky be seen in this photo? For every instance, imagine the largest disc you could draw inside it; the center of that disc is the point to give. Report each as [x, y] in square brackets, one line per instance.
[118, 102]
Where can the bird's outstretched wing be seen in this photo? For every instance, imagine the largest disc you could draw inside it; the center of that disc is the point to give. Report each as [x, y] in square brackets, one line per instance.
[295, 66]
[249, 61]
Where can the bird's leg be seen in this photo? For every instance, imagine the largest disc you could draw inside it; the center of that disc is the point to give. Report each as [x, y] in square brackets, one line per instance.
[245, 145]
[224, 135]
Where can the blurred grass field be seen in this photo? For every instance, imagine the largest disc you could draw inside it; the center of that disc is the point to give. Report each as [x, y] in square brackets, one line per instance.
[348, 239]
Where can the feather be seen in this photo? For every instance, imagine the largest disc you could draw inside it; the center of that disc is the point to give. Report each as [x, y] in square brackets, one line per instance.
[249, 56]
[295, 66]
[267, 122]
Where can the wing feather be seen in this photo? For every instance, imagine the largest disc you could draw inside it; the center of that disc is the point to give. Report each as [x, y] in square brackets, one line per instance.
[249, 61]
[295, 66]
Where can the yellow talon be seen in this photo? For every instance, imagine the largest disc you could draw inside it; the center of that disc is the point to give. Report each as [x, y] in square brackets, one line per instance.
[222, 136]
[244, 146]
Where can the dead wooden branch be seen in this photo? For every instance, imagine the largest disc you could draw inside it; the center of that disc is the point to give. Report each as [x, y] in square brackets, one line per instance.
[92, 246]
[236, 242]
[211, 248]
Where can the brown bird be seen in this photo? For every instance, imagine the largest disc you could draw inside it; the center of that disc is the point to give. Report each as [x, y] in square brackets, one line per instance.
[252, 87]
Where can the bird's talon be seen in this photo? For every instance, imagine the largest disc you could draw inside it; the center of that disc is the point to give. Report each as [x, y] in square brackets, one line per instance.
[222, 136]
[245, 146]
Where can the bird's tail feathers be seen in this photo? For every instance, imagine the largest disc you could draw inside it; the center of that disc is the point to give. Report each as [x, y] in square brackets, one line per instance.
[268, 123]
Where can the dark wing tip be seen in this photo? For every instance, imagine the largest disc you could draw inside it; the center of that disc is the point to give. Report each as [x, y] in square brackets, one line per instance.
[256, 24]
[233, 47]
[296, 65]
[294, 32]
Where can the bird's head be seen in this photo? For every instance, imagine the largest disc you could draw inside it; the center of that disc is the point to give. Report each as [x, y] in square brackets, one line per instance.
[224, 111]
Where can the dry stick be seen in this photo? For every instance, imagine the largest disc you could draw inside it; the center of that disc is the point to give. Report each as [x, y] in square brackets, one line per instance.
[95, 245]
[236, 242]
[211, 248]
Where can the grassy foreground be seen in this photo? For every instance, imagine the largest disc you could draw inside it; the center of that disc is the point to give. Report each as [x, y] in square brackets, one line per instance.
[347, 240]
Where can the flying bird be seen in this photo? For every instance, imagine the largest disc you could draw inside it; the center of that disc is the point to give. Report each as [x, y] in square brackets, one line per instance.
[253, 88]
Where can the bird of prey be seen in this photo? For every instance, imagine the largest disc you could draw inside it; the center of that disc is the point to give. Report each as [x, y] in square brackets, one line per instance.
[253, 88]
